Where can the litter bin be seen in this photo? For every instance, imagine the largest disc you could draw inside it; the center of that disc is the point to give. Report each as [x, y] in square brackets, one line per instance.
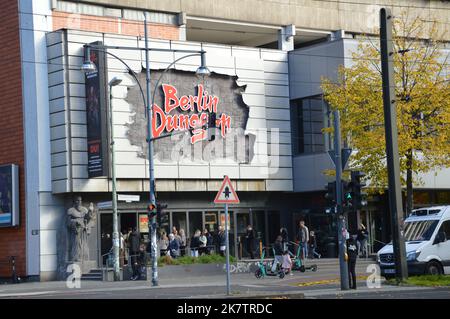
[331, 250]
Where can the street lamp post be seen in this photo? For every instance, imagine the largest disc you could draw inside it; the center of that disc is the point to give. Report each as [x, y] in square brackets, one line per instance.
[116, 240]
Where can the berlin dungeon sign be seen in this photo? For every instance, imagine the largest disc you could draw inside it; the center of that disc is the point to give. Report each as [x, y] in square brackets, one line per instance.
[184, 102]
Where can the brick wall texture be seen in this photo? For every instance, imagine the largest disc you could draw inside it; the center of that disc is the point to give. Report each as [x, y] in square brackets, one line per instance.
[112, 25]
[12, 240]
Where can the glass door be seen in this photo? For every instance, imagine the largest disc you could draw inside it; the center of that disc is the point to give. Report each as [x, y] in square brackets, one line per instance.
[242, 221]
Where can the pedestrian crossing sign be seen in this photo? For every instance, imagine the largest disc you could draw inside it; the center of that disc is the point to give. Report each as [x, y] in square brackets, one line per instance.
[226, 193]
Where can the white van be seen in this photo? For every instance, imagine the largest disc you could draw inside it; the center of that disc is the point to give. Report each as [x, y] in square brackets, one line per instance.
[427, 240]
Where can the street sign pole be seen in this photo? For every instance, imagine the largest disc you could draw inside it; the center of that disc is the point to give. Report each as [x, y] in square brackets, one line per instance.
[227, 250]
[227, 195]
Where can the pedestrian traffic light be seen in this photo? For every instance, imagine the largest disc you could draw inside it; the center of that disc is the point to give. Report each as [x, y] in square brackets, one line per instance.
[212, 126]
[347, 191]
[360, 198]
[330, 195]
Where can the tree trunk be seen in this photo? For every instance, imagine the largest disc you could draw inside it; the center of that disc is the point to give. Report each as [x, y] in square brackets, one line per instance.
[409, 183]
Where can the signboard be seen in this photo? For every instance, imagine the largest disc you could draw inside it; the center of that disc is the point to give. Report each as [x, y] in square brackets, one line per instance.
[96, 116]
[104, 205]
[128, 198]
[143, 223]
[9, 195]
[194, 112]
[226, 193]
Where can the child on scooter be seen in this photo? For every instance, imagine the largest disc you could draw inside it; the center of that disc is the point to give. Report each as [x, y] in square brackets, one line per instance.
[286, 265]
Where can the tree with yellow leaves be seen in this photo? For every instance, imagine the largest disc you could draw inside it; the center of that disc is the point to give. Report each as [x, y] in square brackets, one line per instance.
[421, 68]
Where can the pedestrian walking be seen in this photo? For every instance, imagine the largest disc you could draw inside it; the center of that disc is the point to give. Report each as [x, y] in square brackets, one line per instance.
[250, 241]
[303, 238]
[352, 255]
[361, 238]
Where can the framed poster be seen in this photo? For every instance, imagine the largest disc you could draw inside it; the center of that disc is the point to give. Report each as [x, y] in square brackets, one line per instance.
[96, 115]
[9, 195]
[143, 223]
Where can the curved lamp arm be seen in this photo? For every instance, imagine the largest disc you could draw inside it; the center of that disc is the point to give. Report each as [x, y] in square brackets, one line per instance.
[130, 71]
[165, 70]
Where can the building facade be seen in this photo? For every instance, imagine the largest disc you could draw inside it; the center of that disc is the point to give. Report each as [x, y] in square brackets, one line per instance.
[264, 89]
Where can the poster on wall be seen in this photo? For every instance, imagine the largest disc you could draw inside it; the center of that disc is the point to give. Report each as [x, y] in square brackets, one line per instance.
[96, 115]
[9, 195]
[143, 223]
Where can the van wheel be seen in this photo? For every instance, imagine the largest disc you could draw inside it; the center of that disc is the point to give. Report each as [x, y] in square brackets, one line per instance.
[433, 268]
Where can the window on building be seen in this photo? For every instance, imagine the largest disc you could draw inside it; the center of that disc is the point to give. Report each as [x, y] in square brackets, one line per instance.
[309, 116]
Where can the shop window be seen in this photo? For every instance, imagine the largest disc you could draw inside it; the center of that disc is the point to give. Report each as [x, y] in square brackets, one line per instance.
[421, 198]
[195, 222]
[211, 222]
[443, 198]
[179, 221]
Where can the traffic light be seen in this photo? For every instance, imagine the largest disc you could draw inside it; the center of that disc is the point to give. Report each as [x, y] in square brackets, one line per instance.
[162, 215]
[151, 210]
[347, 194]
[330, 195]
[212, 126]
[158, 211]
[360, 198]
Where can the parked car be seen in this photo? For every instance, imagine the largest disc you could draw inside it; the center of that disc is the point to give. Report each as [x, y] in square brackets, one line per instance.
[427, 241]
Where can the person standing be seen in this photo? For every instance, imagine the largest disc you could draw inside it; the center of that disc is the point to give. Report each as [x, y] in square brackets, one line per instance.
[362, 240]
[163, 244]
[203, 242]
[182, 242]
[134, 242]
[278, 250]
[250, 241]
[174, 247]
[352, 255]
[222, 240]
[195, 243]
[284, 238]
[303, 238]
[312, 245]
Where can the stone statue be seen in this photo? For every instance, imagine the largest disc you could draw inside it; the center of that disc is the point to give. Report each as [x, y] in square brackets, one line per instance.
[79, 221]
